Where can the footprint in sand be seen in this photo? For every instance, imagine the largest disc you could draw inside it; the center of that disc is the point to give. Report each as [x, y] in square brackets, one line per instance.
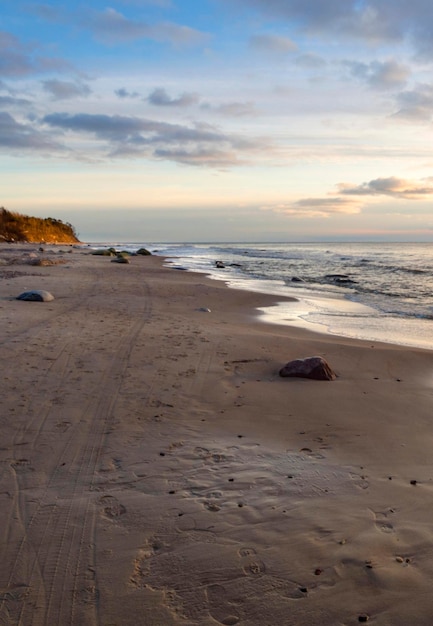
[202, 453]
[112, 508]
[360, 481]
[254, 568]
[219, 458]
[211, 506]
[22, 465]
[309, 452]
[382, 523]
[293, 590]
[219, 608]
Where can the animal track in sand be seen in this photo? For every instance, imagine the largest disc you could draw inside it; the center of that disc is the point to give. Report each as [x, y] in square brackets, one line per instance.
[245, 552]
[360, 481]
[311, 453]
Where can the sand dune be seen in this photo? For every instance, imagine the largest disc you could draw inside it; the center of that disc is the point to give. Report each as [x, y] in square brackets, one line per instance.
[156, 469]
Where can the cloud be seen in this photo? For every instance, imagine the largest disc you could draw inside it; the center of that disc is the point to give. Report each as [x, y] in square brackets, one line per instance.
[273, 44]
[45, 11]
[9, 98]
[14, 58]
[17, 136]
[201, 156]
[17, 59]
[159, 97]
[344, 17]
[310, 60]
[374, 21]
[237, 109]
[124, 93]
[317, 207]
[66, 90]
[380, 74]
[392, 186]
[200, 144]
[416, 104]
[8, 101]
[178, 35]
[338, 203]
[112, 27]
[164, 4]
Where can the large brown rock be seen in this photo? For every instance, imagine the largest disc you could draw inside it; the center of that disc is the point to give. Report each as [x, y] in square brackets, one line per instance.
[312, 367]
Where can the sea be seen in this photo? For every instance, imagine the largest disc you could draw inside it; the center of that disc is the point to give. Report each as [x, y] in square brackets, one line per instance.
[370, 291]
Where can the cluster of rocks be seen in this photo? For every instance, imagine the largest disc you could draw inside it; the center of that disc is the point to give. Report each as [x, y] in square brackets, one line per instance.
[33, 258]
[222, 265]
[120, 256]
[340, 279]
[335, 279]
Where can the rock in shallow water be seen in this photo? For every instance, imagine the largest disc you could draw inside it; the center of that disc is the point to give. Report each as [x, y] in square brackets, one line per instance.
[314, 367]
[36, 295]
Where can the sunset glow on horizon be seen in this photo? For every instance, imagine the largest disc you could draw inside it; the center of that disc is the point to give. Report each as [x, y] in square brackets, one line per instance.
[245, 120]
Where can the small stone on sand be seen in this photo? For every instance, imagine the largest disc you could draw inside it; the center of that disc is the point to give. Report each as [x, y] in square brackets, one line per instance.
[36, 295]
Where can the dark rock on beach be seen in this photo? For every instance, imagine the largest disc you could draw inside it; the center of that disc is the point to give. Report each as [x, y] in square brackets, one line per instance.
[37, 295]
[143, 252]
[340, 279]
[104, 252]
[314, 367]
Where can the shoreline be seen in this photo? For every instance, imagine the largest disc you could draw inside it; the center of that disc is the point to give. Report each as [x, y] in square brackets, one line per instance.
[380, 311]
[151, 450]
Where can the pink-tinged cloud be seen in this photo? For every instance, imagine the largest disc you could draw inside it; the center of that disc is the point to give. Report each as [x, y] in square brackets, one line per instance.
[317, 207]
[392, 186]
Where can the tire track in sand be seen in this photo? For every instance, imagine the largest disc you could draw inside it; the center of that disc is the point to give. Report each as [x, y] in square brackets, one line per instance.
[62, 585]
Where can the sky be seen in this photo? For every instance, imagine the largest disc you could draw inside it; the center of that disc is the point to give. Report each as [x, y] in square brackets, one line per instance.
[220, 120]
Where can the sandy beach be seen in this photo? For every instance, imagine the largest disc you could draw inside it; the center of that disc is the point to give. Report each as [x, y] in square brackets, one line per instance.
[156, 470]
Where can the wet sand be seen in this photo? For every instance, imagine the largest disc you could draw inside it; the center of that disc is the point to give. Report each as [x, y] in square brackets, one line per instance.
[156, 470]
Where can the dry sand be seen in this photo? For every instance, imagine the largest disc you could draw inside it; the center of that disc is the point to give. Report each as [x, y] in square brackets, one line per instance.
[156, 470]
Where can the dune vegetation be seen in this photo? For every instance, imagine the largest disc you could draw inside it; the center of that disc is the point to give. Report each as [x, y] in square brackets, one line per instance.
[15, 227]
